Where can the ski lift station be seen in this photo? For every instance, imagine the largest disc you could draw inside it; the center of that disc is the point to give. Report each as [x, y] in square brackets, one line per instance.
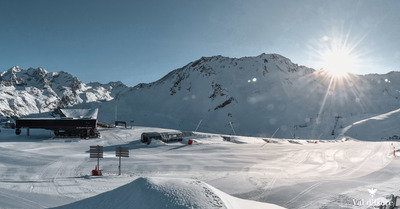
[165, 137]
[72, 123]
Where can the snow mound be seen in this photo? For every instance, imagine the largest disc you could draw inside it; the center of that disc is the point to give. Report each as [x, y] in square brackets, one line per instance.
[166, 193]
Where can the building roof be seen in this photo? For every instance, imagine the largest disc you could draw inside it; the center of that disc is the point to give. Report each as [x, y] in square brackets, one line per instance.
[80, 113]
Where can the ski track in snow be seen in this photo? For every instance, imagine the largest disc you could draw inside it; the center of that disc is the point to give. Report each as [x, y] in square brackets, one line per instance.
[22, 202]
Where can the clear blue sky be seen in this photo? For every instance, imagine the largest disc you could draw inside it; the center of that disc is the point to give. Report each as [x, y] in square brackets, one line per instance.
[141, 41]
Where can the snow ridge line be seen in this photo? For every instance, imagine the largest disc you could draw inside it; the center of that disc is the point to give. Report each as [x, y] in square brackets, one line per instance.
[377, 117]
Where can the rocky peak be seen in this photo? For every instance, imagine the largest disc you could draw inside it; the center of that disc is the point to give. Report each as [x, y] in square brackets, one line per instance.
[36, 90]
[10, 78]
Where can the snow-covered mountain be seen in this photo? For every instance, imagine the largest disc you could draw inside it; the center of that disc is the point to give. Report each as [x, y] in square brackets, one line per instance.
[31, 91]
[253, 96]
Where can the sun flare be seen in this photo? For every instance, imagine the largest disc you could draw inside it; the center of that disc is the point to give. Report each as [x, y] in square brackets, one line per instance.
[339, 58]
[338, 62]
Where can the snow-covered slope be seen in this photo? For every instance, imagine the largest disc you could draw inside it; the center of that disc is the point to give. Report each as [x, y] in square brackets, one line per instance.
[256, 96]
[42, 172]
[31, 91]
[380, 127]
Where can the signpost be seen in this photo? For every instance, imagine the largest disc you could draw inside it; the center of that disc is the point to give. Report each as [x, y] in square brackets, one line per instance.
[121, 152]
[96, 152]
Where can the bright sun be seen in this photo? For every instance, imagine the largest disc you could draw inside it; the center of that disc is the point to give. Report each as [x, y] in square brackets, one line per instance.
[338, 62]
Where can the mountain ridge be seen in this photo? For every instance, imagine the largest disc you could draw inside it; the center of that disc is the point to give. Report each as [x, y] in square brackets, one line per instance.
[252, 96]
[256, 96]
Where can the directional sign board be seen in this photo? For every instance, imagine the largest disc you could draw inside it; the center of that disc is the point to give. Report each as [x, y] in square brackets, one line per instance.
[122, 152]
[96, 151]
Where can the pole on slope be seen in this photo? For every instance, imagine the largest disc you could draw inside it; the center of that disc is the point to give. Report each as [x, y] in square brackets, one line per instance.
[116, 110]
[119, 166]
[320, 136]
[275, 132]
[292, 134]
[198, 125]
[121, 152]
[230, 123]
[272, 135]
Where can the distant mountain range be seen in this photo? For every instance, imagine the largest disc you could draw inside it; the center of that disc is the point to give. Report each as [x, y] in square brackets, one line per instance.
[253, 96]
[32, 91]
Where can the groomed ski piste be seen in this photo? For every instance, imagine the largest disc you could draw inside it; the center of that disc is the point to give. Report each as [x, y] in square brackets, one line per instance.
[246, 172]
